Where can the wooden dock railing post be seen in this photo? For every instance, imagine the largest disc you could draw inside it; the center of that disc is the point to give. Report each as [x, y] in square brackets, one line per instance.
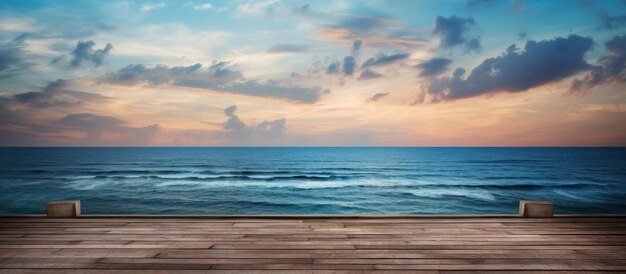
[64, 209]
[535, 209]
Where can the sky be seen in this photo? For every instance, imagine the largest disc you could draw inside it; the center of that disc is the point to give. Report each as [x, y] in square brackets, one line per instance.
[313, 73]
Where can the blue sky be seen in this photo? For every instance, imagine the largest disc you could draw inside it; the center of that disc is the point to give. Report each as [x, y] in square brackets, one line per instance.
[408, 73]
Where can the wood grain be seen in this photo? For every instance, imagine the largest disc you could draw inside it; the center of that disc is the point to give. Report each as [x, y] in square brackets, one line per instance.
[312, 245]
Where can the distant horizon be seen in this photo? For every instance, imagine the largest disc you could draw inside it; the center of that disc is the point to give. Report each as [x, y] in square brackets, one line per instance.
[310, 73]
[312, 146]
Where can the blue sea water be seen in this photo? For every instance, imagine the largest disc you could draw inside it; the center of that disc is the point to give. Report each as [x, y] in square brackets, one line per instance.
[312, 180]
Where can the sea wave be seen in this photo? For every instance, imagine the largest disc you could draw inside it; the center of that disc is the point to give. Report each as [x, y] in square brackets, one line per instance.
[502, 161]
[447, 192]
[313, 184]
[231, 177]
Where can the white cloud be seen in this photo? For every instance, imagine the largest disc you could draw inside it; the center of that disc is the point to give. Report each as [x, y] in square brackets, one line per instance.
[205, 6]
[255, 7]
[150, 6]
[181, 46]
[18, 25]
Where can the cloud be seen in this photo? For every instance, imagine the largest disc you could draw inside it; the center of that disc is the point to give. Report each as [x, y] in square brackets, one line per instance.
[361, 26]
[369, 74]
[12, 59]
[375, 29]
[217, 77]
[607, 21]
[151, 6]
[288, 48]
[204, 6]
[77, 129]
[383, 59]
[349, 65]
[517, 70]
[137, 74]
[522, 35]
[56, 94]
[349, 62]
[270, 89]
[378, 96]
[452, 32]
[307, 10]
[259, 7]
[481, 3]
[356, 47]
[97, 129]
[333, 68]
[612, 68]
[237, 130]
[473, 45]
[61, 21]
[84, 52]
[433, 67]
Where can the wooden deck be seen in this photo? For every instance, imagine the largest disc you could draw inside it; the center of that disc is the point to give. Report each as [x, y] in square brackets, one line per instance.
[295, 244]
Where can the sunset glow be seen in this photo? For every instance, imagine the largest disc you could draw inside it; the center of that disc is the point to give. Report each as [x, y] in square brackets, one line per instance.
[312, 73]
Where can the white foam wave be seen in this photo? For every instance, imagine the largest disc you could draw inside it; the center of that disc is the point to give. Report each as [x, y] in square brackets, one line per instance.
[441, 192]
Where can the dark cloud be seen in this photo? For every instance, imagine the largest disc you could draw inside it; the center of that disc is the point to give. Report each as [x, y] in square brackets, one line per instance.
[237, 130]
[356, 47]
[218, 77]
[607, 21]
[269, 89]
[517, 70]
[481, 3]
[139, 74]
[333, 68]
[361, 26]
[369, 74]
[383, 59]
[84, 52]
[78, 129]
[56, 94]
[433, 67]
[377, 29]
[349, 65]
[612, 68]
[452, 32]
[522, 35]
[288, 48]
[230, 111]
[378, 96]
[219, 69]
[12, 59]
[96, 126]
[473, 44]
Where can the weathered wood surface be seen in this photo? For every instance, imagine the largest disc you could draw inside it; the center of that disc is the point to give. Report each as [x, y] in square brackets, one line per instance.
[337, 245]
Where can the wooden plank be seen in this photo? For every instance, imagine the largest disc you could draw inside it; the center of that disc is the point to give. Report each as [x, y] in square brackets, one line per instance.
[394, 254]
[208, 261]
[314, 244]
[108, 252]
[26, 253]
[291, 267]
[280, 246]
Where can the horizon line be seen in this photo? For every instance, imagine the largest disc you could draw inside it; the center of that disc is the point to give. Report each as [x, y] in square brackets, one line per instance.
[2, 147]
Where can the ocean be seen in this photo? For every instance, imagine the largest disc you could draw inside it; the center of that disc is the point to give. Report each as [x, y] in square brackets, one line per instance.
[312, 180]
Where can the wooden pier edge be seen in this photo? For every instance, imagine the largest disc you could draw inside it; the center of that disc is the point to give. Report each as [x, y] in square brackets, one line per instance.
[317, 216]
[503, 243]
